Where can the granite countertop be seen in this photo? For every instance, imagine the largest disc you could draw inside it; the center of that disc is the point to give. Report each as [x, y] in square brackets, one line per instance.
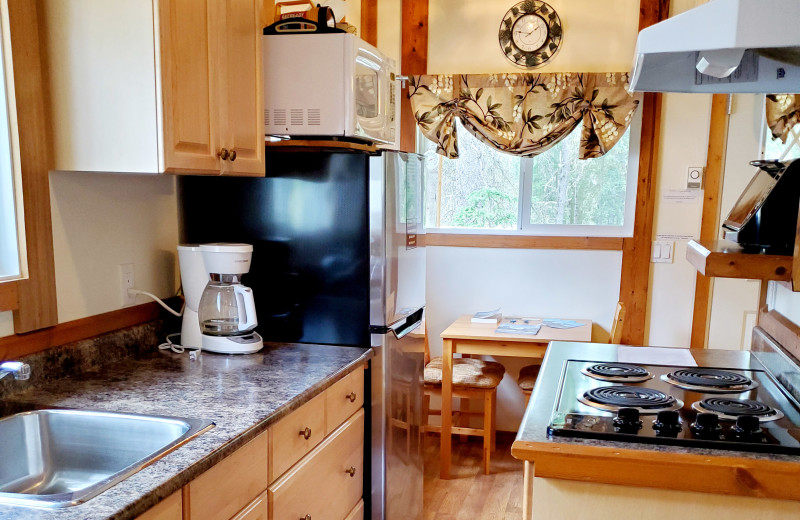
[540, 408]
[243, 395]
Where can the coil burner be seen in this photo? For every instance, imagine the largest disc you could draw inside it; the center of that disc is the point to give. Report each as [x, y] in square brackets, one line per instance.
[618, 372]
[709, 380]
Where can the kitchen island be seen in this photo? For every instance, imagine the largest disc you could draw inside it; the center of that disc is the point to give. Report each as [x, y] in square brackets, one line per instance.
[617, 479]
[243, 395]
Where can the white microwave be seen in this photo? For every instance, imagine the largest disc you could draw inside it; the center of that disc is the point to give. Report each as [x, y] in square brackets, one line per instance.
[329, 85]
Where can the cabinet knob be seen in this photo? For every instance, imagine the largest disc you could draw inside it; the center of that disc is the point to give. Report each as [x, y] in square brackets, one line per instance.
[306, 433]
[223, 154]
[351, 397]
[351, 471]
[307, 517]
[233, 155]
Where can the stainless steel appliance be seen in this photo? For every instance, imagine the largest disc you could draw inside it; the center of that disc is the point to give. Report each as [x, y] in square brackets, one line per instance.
[743, 406]
[765, 216]
[336, 260]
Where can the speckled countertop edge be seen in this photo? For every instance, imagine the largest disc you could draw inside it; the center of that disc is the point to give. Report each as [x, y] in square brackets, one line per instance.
[243, 395]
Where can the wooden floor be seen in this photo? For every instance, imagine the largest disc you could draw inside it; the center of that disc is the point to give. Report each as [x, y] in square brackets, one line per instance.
[469, 494]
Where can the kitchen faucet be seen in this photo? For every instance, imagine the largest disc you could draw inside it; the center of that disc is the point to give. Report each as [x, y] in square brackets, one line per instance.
[21, 371]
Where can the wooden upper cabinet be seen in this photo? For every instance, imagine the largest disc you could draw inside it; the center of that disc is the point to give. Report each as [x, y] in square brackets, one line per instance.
[156, 86]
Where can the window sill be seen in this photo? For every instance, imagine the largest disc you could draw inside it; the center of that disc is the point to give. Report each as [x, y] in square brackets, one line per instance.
[523, 241]
[9, 296]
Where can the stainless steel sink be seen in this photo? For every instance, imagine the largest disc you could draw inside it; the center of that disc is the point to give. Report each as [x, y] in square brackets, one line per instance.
[59, 458]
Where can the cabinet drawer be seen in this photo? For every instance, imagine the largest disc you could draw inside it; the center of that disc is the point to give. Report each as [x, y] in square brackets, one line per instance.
[343, 399]
[256, 510]
[233, 483]
[288, 442]
[320, 485]
[167, 509]
[357, 513]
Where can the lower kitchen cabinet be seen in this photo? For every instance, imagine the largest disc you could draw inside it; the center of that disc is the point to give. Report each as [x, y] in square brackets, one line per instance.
[328, 482]
[308, 465]
[168, 509]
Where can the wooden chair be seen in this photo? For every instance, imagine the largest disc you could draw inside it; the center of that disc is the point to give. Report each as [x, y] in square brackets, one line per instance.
[528, 374]
[472, 379]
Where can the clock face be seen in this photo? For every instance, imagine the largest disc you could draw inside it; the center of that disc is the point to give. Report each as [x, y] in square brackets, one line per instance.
[530, 34]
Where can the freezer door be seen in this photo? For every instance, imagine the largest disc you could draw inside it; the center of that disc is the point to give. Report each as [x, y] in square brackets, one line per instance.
[397, 252]
[397, 388]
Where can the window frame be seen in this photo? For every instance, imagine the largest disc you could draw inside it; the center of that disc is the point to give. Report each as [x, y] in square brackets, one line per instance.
[527, 230]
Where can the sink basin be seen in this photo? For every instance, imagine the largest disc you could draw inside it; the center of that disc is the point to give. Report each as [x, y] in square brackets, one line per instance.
[59, 458]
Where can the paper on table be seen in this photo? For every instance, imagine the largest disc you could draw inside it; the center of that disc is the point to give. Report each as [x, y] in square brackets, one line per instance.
[487, 314]
[561, 324]
[508, 328]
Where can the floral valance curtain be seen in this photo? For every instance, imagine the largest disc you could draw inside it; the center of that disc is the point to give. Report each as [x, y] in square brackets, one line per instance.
[524, 114]
[783, 112]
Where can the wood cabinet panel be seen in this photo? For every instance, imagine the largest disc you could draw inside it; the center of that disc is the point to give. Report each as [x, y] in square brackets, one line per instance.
[321, 485]
[343, 398]
[189, 45]
[241, 100]
[258, 509]
[168, 509]
[357, 513]
[229, 486]
[288, 443]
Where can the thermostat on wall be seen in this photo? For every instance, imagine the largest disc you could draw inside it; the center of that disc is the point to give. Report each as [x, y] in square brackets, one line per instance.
[694, 178]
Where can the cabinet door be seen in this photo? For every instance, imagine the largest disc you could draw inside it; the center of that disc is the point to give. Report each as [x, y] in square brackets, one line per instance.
[167, 509]
[190, 43]
[242, 103]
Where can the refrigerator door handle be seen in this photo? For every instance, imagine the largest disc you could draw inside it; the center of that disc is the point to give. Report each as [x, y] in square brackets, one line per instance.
[402, 327]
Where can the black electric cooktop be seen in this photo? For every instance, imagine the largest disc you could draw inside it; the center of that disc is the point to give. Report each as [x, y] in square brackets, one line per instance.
[708, 407]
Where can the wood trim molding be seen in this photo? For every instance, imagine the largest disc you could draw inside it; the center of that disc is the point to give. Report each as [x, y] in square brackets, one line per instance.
[414, 60]
[37, 294]
[9, 296]
[635, 278]
[780, 327]
[76, 330]
[369, 21]
[719, 474]
[709, 226]
[523, 242]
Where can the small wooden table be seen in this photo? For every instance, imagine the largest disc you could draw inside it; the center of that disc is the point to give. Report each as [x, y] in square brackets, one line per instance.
[465, 337]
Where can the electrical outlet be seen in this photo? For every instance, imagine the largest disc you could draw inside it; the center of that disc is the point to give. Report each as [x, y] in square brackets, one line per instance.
[126, 282]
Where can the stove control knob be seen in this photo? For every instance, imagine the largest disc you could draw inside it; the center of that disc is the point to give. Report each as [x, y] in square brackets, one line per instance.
[706, 426]
[627, 420]
[667, 423]
[747, 429]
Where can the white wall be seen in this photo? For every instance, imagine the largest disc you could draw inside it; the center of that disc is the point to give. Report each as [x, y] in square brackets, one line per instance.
[524, 282]
[101, 221]
[598, 36]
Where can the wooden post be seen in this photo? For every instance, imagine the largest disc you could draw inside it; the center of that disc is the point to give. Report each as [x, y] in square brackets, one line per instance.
[369, 21]
[414, 60]
[635, 280]
[709, 226]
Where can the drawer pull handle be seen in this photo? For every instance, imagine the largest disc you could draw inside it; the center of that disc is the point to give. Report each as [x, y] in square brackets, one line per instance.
[223, 154]
[351, 396]
[306, 433]
[351, 471]
[233, 155]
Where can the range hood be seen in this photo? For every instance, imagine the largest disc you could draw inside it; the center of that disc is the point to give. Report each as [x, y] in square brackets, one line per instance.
[723, 46]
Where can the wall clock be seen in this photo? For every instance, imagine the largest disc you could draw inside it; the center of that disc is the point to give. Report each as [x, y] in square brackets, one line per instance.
[530, 34]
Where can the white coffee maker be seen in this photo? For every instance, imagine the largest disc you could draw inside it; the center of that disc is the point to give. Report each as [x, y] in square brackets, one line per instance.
[220, 314]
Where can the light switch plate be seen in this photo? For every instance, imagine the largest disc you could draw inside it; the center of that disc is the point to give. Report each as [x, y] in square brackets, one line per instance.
[662, 252]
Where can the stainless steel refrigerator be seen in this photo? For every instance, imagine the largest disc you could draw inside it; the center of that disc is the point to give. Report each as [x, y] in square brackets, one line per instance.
[338, 259]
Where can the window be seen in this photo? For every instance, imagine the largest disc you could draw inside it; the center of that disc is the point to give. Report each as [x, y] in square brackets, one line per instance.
[10, 196]
[553, 193]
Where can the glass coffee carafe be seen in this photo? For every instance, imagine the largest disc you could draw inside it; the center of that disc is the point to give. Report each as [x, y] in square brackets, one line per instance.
[226, 307]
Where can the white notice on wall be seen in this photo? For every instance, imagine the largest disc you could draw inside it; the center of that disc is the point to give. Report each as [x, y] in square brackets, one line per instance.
[681, 196]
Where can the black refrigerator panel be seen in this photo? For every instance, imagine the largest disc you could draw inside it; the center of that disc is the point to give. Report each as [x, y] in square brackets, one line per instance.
[308, 223]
